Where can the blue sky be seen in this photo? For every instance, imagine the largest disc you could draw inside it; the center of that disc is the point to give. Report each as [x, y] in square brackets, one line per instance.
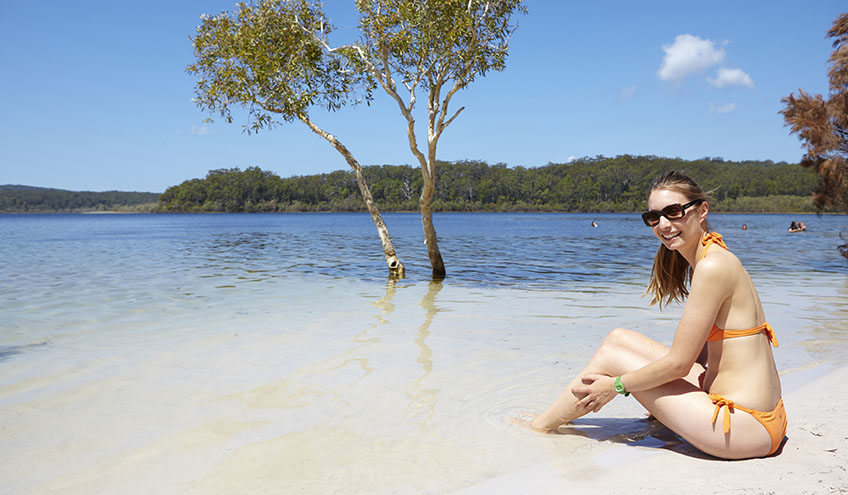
[96, 96]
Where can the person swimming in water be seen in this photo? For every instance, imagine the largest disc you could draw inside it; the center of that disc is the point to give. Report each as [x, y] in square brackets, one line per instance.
[720, 362]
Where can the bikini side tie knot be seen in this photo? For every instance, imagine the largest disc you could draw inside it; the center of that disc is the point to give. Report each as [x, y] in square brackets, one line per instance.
[728, 406]
[771, 335]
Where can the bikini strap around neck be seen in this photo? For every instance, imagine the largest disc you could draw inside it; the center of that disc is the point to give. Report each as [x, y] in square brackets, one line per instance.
[709, 239]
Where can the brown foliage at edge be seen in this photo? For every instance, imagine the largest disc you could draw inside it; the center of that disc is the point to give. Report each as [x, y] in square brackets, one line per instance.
[822, 124]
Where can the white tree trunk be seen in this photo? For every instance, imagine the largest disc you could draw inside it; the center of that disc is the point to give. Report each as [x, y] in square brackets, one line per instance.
[426, 206]
[396, 268]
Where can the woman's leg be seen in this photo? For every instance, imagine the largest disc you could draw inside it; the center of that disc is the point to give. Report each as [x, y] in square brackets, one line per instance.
[621, 351]
[681, 405]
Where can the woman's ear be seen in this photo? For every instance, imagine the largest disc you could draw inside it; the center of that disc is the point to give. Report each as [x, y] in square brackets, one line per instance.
[703, 210]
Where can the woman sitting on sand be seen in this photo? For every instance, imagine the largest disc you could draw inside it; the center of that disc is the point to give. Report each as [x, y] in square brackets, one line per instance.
[717, 385]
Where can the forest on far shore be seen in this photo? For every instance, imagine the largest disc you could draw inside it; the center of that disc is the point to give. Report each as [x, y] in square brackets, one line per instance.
[29, 199]
[598, 184]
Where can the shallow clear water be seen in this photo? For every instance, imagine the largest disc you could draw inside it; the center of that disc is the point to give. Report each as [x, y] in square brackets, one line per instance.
[256, 353]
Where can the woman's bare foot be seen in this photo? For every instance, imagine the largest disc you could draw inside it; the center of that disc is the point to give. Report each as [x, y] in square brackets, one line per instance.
[527, 420]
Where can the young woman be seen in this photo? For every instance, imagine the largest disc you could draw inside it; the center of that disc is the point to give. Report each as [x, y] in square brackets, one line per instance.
[717, 385]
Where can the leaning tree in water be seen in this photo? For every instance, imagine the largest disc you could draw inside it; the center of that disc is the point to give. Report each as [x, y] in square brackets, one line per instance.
[822, 125]
[268, 58]
[275, 58]
[431, 48]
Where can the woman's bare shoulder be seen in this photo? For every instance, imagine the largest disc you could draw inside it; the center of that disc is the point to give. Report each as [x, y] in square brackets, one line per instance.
[718, 265]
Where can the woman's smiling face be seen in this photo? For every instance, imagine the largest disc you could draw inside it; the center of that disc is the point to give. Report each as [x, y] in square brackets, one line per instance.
[674, 234]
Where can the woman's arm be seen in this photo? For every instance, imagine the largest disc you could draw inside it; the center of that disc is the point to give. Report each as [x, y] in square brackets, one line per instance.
[711, 287]
[703, 356]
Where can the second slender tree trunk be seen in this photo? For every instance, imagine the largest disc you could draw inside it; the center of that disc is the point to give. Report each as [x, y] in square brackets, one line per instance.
[426, 202]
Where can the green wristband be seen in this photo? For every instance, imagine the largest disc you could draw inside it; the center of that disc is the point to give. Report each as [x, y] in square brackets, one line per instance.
[619, 387]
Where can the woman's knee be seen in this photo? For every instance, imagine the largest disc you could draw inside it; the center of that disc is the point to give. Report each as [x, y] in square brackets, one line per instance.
[617, 342]
[620, 337]
[623, 342]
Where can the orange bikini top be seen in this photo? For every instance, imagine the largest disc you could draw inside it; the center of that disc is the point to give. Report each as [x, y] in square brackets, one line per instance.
[709, 239]
[718, 334]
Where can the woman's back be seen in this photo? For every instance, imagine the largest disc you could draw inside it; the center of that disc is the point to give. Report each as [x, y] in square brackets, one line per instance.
[741, 368]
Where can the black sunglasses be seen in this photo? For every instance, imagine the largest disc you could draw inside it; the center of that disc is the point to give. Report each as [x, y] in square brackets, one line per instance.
[672, 212]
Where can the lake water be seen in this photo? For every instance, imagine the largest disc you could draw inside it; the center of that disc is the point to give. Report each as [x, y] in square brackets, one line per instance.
[538, 251]
[266, 353]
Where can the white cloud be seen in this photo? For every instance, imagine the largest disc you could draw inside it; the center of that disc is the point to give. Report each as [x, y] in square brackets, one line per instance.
[627, 93]
[200, 130]
[569, 159]
[688, 54]
[724, 108]
[731, 77]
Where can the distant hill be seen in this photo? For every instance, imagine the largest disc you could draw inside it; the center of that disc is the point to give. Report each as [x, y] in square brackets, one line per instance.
[18, 187]
[16, 198]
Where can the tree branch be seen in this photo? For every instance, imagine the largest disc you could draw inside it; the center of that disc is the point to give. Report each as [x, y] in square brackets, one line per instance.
[387, 82]
[445, 103]
[442, 127]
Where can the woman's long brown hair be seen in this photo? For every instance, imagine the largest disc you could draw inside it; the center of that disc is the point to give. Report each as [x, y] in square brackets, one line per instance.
[671, 272]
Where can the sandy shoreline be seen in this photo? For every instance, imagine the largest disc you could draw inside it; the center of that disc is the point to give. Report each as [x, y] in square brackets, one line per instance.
[813, 459]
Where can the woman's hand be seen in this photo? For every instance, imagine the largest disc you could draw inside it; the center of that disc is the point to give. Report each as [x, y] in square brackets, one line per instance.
[596, 390]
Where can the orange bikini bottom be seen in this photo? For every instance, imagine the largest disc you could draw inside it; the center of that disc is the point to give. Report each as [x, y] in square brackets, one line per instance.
[774, 421]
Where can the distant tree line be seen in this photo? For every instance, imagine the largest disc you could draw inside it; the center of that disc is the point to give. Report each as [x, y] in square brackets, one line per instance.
[598, 184]
[27, 199]
[589, 184]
